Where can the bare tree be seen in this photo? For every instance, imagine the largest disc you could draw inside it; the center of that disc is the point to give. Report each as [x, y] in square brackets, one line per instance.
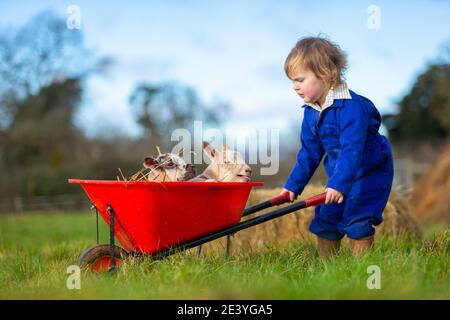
[40, 53]
[42, 70]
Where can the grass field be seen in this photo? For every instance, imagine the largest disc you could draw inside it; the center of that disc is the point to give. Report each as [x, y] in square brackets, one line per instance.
[36, 249]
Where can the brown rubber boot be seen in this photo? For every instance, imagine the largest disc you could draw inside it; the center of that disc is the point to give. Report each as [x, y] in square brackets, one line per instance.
[327, 247]
[361, 246]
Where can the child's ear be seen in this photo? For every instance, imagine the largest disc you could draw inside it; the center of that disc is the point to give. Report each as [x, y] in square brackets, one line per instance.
[209, 150]
[150, 162]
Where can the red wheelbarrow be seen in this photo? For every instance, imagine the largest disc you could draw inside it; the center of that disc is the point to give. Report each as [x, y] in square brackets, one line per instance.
[158, 219]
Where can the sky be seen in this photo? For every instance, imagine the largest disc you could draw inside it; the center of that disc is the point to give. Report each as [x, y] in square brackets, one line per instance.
[235, 51]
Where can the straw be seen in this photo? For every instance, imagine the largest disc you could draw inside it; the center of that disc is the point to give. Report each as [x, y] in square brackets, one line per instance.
[121, 174]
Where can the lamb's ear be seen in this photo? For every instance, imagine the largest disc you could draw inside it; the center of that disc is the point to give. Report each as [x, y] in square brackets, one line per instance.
[149, 162]
[209, 150]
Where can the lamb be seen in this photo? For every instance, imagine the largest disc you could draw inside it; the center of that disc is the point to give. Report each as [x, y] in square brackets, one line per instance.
[226, 166]
[169, 167]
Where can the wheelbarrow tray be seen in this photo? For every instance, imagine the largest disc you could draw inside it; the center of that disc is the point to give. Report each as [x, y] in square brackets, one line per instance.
[152, 216]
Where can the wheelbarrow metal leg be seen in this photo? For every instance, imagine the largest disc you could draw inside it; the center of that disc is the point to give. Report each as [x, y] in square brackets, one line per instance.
[96, 220]
[228, 245]
[198, 251]
[112, 261]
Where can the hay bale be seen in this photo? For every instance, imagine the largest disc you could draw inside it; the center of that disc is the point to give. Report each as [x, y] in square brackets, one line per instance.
[294, 226]
[430, 192]
[398, 219]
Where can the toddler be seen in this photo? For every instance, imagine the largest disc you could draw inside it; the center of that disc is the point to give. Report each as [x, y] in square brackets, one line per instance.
[342, 126]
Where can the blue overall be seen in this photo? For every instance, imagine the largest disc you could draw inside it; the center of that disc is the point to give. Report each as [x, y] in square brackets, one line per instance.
[358, 163]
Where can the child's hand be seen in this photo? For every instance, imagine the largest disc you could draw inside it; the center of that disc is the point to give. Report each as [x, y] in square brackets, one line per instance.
[333, 196]
[292, 195]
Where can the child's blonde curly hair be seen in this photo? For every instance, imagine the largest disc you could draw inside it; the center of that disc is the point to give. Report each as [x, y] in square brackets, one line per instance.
[323, 57]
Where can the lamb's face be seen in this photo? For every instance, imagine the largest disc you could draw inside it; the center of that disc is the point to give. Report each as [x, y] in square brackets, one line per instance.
[227, 165]
[169, 167]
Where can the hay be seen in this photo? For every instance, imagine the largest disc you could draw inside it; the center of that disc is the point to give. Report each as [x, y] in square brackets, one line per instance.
[294, 227]
[430, 193]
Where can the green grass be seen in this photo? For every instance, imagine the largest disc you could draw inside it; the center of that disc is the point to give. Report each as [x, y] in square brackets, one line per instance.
[36, 249]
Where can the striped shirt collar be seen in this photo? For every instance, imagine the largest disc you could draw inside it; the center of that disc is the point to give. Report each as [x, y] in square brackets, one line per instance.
[340, 92]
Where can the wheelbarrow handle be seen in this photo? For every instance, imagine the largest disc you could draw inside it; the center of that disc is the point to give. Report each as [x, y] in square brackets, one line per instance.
[315, 200]
[283, 198]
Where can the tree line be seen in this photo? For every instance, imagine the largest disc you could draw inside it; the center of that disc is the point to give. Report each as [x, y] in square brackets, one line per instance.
[43, 71]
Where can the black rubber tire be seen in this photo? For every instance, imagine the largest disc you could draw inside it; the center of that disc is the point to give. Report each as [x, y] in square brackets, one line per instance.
[100, 251]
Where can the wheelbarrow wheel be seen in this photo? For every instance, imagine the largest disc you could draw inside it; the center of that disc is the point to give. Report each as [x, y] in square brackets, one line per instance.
[97, 258]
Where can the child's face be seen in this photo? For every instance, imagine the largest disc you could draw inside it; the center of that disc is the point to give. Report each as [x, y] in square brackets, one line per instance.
[309, 87]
